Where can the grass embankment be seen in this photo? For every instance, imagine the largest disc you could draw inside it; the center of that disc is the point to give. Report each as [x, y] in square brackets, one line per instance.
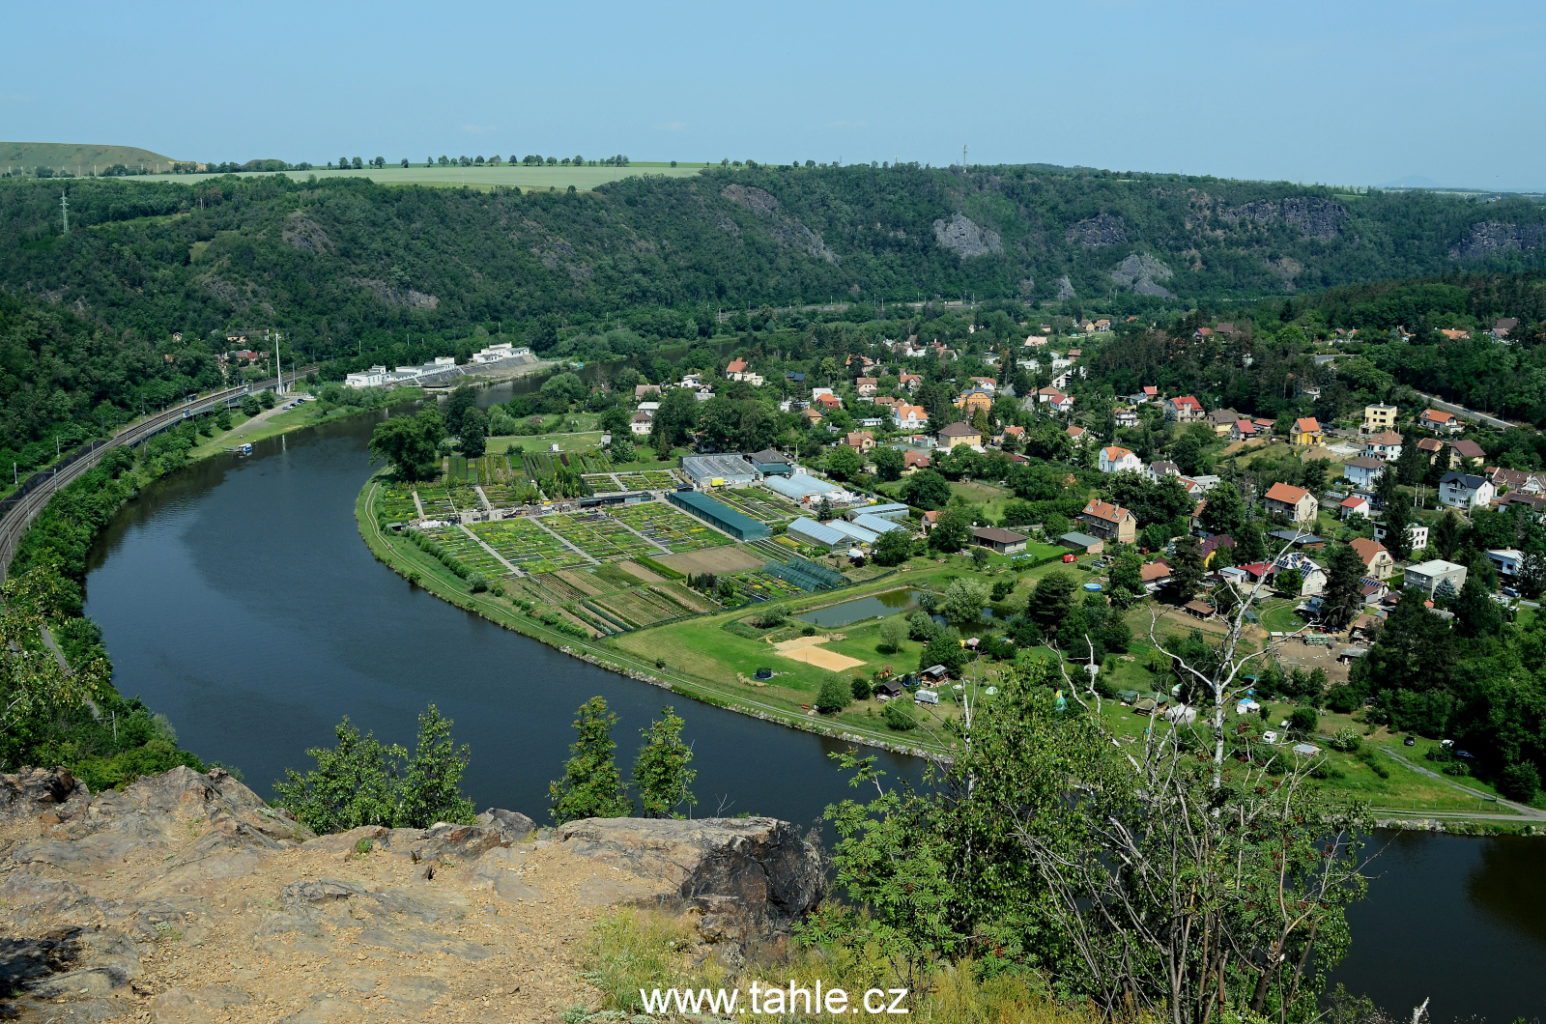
[282, 420]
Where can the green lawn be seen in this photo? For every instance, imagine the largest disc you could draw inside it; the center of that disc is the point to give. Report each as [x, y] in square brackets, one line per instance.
[483, 178]
[586, 440]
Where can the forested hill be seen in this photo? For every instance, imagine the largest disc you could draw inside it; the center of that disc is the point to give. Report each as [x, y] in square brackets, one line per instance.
[340, 259]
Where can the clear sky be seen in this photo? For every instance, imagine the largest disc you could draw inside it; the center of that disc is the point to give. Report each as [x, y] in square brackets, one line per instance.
[1346, 92]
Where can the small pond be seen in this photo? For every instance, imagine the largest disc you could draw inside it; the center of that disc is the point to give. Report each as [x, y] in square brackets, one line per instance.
[861, 608]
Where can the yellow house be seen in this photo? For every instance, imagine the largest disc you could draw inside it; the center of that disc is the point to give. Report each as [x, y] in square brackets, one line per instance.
[1378, 418]
[1307, 432]
[975, 401]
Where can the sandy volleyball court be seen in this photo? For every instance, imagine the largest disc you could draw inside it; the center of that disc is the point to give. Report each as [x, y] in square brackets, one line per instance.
[809, 650]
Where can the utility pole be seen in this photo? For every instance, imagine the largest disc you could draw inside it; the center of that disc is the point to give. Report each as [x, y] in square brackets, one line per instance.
[64, 211]
[279, 370]
[964, 164]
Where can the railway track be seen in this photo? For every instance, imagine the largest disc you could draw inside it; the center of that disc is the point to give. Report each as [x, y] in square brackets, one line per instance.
[19, 509]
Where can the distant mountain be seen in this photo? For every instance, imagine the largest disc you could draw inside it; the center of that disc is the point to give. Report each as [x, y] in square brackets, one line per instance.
[78, 158]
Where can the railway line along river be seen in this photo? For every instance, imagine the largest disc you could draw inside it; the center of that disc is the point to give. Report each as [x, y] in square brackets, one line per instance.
[236, 598]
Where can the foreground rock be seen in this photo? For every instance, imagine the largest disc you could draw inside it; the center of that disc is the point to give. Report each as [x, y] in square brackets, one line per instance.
[187, 898]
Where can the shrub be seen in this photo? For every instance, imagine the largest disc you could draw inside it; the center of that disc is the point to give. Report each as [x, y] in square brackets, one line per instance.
[860, 688]
[1520, 782]
[899, 716]
[1345, 740]
[833, 696]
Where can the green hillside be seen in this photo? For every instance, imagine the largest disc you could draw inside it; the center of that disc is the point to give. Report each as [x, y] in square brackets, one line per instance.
[77, 158]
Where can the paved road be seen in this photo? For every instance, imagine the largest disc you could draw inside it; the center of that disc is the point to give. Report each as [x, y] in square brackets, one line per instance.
[25, 508]
[1469, 414]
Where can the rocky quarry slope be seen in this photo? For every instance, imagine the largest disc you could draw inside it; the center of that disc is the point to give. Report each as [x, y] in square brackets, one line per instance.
[186, 898]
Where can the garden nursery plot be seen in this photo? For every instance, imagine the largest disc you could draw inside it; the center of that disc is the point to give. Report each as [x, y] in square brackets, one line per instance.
[631, 480]
[394, 503]
[762, 505]
[443, 502]
[608, 599]
[599, 535]
[467, 551]
[527, 546]
[678, 531]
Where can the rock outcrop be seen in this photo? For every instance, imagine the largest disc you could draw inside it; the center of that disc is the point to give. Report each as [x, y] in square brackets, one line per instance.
[1490, 238]
[1141, 274]
[966, 238]
[1095, 232]
[187, 898]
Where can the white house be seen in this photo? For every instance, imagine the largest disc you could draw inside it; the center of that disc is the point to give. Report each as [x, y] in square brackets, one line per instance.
[641, 423]
[1430, 576]
[1116, 459]
[1416, 536]
[1465, 490]
[1386, 446]
[1364, 472]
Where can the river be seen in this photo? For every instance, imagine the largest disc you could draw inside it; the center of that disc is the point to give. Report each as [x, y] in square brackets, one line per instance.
[237, 599]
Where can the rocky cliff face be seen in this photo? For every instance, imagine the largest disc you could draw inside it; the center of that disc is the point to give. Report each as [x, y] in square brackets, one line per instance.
[187, 898]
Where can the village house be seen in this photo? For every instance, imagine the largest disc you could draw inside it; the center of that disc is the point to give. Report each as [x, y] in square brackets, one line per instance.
[1244, 430]
[1384, 445]
[1312, 578]
[1416, 536]
[1223, 421]
[1465, 490]
[1035, 341]
[1503, 327]
[641, 423]
[860, 441]
[1125, 417]
[1307, 432]
[1293, 503]
[1055, 400]
[1467, 453]
[1517, 481]
[996, 538]
[1116, 459]
[1148, 393]
[1364, 472]
[1075, 433]
[828, 402]
[953, 434]
[1377, 418]
[1184, 409]
[865, 387]
[1154, 575]
[1436, 451]
[1454, 333]
[909, 381]
[1013, 430]
[909, 416]
[736, 369]
[643, 391]
[1378, 562]
[1109, 522]
[1434, 575]
[1440, 422]
[975, 401]
[1355, 506]
[914, 460]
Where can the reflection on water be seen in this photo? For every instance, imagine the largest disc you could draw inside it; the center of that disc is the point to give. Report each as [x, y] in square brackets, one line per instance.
[861, 608]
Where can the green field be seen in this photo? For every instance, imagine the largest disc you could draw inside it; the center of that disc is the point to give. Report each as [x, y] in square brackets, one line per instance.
[77, 158]
[484, 178]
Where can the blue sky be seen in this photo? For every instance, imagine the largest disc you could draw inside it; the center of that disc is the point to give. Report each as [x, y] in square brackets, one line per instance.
[1353, 92]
